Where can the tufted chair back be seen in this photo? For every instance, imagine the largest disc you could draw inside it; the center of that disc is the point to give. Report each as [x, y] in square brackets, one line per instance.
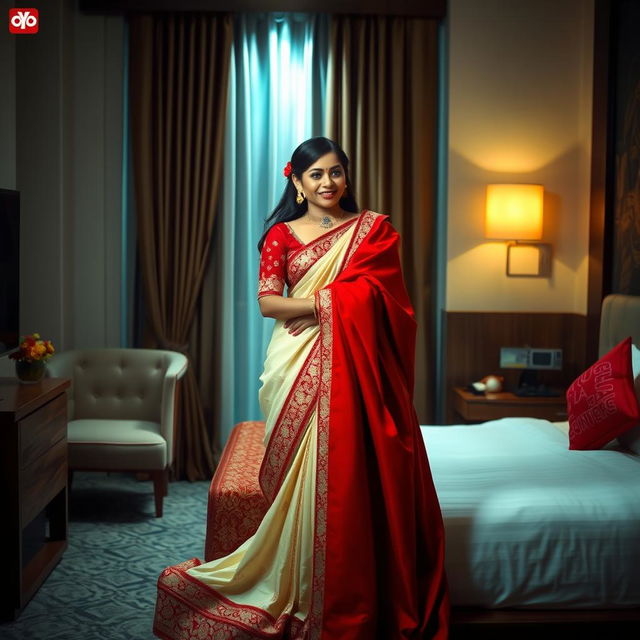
[114, 383]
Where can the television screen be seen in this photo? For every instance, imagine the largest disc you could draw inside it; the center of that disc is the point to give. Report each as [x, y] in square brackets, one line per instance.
[9, 269]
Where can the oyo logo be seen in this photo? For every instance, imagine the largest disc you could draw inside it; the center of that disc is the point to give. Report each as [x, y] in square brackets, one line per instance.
[23, 20]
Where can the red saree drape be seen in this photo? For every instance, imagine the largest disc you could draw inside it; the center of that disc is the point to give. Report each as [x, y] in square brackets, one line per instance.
[378, 547]
[385, 540]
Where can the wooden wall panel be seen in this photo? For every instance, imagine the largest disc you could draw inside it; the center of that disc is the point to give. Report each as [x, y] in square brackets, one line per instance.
[473, 341]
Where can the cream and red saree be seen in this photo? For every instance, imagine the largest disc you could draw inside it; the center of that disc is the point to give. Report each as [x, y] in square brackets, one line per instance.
[352, 545]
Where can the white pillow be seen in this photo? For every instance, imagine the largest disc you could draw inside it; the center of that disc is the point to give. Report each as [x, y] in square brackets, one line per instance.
[631, 438]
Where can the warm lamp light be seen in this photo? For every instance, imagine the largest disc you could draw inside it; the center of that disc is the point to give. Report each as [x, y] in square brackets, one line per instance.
[514, 211]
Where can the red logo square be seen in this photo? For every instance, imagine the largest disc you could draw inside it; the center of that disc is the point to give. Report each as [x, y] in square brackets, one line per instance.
[23, 21]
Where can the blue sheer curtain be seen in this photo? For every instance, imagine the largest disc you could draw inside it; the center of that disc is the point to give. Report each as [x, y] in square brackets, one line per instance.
[277, 89]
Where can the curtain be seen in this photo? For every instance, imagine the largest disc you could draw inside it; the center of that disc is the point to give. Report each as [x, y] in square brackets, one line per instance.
[276, 101]
[382, 109]
[178, 91]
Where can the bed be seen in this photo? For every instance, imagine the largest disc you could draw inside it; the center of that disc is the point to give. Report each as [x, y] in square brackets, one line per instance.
[538, 536]
[552, 545]
[531, 524]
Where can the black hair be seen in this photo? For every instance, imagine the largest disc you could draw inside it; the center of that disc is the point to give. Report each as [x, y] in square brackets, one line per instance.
[301, 159]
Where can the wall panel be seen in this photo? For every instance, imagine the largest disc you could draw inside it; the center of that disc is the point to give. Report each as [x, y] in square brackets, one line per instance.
[474, 339]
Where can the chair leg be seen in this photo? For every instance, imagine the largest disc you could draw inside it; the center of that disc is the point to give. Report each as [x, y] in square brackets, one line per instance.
[159, 489]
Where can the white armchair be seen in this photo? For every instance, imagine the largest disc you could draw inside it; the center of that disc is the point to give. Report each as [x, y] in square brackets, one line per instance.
[121, 410]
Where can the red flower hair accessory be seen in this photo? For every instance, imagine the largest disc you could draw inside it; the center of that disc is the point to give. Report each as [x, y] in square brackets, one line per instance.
[287, 170]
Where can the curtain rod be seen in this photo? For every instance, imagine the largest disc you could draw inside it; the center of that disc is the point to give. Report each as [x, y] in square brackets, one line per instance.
[409, 8]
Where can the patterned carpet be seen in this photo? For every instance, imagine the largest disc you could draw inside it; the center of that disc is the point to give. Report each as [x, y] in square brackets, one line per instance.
[105, 585]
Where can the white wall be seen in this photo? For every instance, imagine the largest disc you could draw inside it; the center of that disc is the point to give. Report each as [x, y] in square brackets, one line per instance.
[7, 104]
[62, 97]
[519, 111]
[43, 147]
[97, 161]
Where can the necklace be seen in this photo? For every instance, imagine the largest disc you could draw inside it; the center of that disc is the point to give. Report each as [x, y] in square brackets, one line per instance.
[326, 222]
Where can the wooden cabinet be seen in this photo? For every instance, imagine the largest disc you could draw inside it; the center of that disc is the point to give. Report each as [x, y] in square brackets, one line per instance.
[492, 406]
[33, 489]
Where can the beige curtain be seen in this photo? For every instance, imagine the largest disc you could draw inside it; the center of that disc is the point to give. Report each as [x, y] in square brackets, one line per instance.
[179, 67]
[382, 109]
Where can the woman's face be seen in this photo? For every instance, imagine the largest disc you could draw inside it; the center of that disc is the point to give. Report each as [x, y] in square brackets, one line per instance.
[324, 182]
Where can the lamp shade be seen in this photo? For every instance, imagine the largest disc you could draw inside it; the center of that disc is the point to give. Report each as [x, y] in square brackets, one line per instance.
[514, 211]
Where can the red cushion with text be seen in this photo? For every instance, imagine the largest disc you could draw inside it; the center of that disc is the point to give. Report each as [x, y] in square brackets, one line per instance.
[602, 403]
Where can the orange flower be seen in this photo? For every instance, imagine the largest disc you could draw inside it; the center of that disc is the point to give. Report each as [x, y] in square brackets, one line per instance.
[32, 348]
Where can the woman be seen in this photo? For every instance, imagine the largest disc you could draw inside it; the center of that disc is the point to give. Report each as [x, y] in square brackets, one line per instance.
[351, 547]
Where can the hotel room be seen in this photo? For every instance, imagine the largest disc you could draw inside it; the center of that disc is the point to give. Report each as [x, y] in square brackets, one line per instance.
[444, 108]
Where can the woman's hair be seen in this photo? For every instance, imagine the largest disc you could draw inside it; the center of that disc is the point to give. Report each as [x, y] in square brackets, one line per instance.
[301, 159]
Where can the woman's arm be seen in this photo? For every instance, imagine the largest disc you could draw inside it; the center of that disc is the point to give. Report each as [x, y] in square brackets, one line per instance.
[282, 308]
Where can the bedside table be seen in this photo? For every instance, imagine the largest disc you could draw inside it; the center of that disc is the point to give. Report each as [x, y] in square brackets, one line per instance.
[492, 406]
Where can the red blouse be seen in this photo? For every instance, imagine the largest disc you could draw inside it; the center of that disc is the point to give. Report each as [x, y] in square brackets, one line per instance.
[284, 259]
[278, 246]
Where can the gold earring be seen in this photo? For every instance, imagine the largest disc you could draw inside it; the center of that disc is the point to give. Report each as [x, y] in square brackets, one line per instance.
[300, 197]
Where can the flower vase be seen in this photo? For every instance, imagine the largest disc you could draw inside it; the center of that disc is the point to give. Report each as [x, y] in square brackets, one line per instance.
[29, 372]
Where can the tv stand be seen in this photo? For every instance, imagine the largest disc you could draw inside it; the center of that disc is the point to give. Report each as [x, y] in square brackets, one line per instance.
[33, 486]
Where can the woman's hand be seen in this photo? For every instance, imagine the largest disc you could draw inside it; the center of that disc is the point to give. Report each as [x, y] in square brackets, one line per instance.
[299, 324]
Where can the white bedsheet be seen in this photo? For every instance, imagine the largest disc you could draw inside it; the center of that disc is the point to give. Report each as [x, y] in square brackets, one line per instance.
[530, 523]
